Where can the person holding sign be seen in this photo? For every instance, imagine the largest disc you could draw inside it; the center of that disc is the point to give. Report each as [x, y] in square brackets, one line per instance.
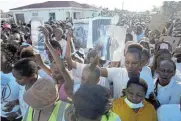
[120, 76]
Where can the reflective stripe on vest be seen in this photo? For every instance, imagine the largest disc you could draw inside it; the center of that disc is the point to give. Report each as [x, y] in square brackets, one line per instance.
[56, 115]
[112, 117]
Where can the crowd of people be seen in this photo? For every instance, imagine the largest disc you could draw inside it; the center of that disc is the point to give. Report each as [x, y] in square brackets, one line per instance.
[63, 83]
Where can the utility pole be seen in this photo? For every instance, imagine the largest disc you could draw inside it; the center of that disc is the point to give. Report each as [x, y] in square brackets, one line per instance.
[122, 4]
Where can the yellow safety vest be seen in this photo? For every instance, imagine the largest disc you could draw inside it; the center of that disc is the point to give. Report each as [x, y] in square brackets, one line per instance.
[56, 115]
[112, 117]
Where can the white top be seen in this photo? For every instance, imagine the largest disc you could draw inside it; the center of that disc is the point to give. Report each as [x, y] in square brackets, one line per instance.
[151, 61]
[147, 76]
[178, 65]
[9, 92]
[177, 75]
[44, 75]
[119, 76]
[169, 112]
[169, 94]
[22, 103]
[63, 44]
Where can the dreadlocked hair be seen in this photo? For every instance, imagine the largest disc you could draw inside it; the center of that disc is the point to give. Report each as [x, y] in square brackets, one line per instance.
[157, 54]
[10, 51]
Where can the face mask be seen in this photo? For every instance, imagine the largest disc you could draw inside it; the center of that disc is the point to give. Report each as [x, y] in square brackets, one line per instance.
[132, 105]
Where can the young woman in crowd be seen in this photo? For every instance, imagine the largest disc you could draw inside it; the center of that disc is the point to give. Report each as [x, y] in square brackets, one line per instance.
[133, 57]
[167, 88]
[85, 108]
[133, 107]
[161, 55]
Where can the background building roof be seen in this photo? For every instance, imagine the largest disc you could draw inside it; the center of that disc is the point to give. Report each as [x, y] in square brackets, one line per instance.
[54, 4]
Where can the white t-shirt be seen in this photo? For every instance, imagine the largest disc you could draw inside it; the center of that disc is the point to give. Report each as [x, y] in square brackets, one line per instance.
[169, 112]
[169, 94]
[151, 61]
[9, 92]
[147, 76]
[63, 44]
[22, 103]
[178, 65]
[119, 77]
[43, 74]
[177, 75]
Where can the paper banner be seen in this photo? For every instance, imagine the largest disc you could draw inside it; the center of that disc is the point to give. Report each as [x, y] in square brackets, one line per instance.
[117, 36]
[98, 34]
[36, 36]
[174, 41]
[81, 34]
[89, 31]
[98, 27]
[158, 22]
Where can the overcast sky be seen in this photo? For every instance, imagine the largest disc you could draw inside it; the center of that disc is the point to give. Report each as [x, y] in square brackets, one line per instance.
[131, 5]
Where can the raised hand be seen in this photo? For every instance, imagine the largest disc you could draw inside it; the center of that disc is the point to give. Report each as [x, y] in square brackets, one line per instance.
[10, 105]
[12, 116]
[45, 32]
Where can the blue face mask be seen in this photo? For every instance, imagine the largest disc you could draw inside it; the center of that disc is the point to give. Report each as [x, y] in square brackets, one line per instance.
[132, 105]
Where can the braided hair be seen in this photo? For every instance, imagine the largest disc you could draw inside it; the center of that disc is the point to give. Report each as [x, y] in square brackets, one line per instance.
[10, 51]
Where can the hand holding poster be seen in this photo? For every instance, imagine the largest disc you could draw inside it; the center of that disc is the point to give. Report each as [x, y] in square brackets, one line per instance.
[174, 41]
[36, 36]
[81, 34]
[117, 37]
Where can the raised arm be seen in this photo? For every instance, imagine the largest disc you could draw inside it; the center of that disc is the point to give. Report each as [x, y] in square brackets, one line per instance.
[41, 64]
[68, 57]
[104, 72]
[68, 85]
